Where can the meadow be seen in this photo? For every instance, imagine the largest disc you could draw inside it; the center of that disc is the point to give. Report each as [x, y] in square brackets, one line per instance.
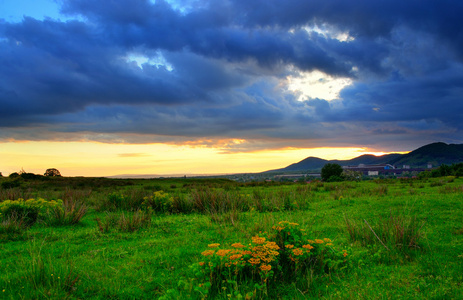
[97, 238]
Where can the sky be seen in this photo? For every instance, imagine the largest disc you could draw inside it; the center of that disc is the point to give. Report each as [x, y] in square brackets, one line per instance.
[106, 87]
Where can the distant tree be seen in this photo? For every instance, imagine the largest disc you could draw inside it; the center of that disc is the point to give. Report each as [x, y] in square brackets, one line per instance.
[52, 172]
[30, 176]
[14, 175]
[1, 174]
[331, 170]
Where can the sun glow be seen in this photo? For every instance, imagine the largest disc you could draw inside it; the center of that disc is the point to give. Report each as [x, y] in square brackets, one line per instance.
[104, 159]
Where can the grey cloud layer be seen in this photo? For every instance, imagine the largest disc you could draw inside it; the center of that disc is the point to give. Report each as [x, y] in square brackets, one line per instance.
[229, 60]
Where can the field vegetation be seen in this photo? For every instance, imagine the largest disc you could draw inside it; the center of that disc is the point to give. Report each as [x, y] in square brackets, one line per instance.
[97, 238]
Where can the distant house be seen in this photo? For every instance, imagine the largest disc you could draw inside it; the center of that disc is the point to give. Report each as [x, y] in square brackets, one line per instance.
[382, 169]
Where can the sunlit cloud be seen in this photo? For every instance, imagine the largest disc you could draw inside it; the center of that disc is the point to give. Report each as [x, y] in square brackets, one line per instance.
[315, 84]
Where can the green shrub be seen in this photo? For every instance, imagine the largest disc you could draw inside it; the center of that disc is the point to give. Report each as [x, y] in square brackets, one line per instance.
[28, 210]
[117, 201]
[159, 202]
[132, 199]
[12, 183]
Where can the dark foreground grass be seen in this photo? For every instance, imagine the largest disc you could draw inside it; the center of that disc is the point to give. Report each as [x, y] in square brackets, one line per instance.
[403, 239]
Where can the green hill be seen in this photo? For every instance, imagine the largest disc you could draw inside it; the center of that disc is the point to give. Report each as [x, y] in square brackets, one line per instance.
[435, 154]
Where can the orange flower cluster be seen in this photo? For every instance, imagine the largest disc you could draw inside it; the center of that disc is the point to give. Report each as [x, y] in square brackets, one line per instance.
[254, 261]
[235, 256]
[237, 245]
[208, 252]
[282, 225]
[260, 254]
[279, 228]
[258, 240]
[222, 252]
[265, 268]
[308, 246]
[297, 251]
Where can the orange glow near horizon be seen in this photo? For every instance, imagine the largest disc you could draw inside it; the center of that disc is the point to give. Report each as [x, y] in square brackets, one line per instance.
[101, 159]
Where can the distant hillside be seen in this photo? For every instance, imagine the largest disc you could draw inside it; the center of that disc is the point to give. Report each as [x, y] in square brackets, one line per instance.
[435, 153]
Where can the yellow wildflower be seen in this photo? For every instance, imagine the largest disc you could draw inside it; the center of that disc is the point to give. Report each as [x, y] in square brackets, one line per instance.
[327, 240]
[222, 252]
[308, 246]
[272, 245]
[289, 246]
[201, 263]
[254, 261]
[266, 268]
[237, 245]
[329, 244]
[208, 252]
[258, 240]
[235, 256]
[311, 241]
[297, 251]
[319, 241]
[213, 245]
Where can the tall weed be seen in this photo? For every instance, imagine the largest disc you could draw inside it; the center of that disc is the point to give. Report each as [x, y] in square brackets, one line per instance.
[124, 221]
[70, 213]
[400, 232]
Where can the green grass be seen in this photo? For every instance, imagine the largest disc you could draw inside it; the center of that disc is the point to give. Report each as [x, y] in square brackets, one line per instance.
[153, 259]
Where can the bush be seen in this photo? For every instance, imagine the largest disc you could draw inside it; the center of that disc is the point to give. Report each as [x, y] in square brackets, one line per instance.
[132, 200]
[28, 214]
[28, 210]
[159, 202]
[12, 183]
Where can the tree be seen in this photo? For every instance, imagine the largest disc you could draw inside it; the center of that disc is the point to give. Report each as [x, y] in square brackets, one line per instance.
[52, 172]
[332, 171]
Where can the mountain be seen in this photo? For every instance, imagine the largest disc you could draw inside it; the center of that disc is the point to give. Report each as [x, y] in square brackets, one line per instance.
[435, 153]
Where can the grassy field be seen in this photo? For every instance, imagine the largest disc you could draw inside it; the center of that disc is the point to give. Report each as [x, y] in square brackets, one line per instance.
[200, 238]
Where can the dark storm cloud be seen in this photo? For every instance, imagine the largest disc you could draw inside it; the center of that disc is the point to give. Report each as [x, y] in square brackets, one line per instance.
[218, 68]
